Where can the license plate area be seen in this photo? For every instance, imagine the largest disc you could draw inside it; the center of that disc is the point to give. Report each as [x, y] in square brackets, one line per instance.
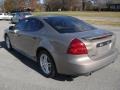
[103, 43]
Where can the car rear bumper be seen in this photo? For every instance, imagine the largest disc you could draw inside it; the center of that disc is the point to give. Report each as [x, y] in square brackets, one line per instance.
[83, 65]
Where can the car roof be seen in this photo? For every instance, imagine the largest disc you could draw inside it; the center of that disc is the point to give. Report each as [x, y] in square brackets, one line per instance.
[48, 16]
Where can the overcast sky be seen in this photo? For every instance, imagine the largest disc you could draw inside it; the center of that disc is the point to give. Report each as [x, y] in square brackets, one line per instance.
[41, 1]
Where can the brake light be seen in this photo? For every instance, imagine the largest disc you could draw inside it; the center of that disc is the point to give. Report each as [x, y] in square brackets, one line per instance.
[77, 47]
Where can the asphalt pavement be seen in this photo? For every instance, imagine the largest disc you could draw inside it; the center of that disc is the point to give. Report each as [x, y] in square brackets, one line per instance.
[20, 73]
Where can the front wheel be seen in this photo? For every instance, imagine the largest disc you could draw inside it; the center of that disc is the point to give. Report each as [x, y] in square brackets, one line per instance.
[46, 64]
[8, 43]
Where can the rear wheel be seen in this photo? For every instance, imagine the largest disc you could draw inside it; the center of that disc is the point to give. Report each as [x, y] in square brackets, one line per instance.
[46, 64]
[8, 43]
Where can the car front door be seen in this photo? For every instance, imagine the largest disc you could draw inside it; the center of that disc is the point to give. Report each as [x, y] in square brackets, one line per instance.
[15, 35]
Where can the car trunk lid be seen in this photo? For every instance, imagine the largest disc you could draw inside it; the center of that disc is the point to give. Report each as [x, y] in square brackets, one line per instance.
[98, 42]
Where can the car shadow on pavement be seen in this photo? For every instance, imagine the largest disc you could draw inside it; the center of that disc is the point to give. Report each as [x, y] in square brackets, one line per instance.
[33, 65]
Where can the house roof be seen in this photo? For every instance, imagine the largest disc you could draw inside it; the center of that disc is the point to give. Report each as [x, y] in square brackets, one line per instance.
[115, 1]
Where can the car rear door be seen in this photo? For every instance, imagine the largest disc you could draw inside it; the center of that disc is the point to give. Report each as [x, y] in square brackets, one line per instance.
[29, 36]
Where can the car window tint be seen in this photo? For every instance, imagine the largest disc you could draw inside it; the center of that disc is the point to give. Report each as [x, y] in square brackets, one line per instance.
[33, 25]
[68, 24]
[21, 24]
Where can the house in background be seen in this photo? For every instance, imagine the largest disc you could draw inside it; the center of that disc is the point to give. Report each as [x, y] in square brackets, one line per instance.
[114, 5]
[81, 5]
[103, 5]
[96, 4]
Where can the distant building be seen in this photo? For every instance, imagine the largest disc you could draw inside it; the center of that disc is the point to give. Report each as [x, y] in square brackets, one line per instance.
[79, 5]
[103, 4]
[114, 5]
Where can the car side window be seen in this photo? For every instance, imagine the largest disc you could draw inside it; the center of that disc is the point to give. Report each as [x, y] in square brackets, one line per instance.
[33, 25]
[21, 24]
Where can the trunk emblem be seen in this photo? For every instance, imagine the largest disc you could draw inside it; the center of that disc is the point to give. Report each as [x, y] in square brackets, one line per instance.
[104, 43]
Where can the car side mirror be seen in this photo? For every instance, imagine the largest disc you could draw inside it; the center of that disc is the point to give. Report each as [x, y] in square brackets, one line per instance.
[12, 28]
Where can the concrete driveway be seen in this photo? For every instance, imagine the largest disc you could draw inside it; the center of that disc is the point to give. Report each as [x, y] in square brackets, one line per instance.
[19, 73]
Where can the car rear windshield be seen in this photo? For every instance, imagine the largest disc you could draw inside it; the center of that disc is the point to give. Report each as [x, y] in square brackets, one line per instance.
[65, 24]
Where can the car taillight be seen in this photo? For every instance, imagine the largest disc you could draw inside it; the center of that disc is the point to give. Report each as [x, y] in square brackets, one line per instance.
[77, 47]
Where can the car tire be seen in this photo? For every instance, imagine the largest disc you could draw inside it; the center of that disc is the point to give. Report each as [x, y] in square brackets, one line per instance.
[8, 43]
[46, 64]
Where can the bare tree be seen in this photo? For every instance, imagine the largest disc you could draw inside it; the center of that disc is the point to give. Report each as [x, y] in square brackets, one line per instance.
[9, 5]
[65, 4]
[21, 4]
[27, 4]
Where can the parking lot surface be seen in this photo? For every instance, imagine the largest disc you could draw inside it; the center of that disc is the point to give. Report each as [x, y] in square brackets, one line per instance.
[19, 73]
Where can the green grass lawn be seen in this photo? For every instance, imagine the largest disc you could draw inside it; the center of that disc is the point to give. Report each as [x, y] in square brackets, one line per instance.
[90, 14]
[82, 14]
[104, 23]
